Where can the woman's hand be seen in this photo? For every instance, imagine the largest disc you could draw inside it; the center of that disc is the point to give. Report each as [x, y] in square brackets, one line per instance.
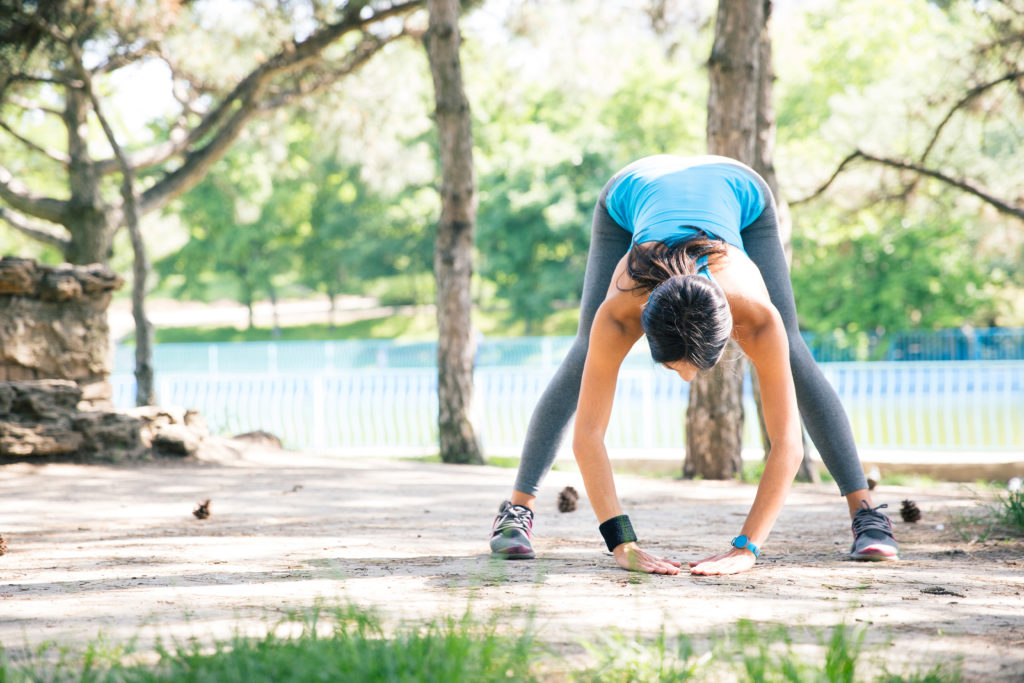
[731, 562]
[631, 557]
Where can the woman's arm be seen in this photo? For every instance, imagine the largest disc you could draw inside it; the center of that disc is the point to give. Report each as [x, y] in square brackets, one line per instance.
[611, 337]
[762, 336]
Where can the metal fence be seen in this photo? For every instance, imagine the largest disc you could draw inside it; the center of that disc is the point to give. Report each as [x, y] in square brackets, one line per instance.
[328, 402]
[967, 343]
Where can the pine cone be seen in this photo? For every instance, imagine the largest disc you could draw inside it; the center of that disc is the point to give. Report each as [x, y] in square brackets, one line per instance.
[909, 511]
[202, 510]
[567, 499]
[3, 545]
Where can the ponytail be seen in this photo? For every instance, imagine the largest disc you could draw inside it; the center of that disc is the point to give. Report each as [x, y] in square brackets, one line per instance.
[651, 264]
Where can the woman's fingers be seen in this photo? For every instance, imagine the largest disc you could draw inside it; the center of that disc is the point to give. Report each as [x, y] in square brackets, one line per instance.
[630, 556]
[713, 558]
[724, 563]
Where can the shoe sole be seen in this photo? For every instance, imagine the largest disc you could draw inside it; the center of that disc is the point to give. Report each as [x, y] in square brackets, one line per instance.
[874, 555]
[513, 554]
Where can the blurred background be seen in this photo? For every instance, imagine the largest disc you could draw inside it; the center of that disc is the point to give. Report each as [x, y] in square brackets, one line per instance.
[292, 285]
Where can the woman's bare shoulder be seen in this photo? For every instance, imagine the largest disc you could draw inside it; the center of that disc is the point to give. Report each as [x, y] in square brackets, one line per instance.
[744, 289]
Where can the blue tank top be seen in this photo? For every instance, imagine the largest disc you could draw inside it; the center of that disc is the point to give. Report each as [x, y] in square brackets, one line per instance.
[666, 198]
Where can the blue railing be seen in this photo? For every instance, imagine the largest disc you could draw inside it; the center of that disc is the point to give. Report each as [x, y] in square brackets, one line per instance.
[994, 343]
[383, 395]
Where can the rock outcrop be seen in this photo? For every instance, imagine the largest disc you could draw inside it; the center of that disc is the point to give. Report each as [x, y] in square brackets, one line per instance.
[41, 419]
[53, 325]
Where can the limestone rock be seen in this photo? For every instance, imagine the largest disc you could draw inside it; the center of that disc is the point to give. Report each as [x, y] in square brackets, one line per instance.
[42, 418]
[261, 438]
[110, 437]
[53, 324]
[17, 275]
[42, 439]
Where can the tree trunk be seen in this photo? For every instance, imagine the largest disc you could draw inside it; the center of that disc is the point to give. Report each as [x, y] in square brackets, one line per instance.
[714, 418]
[764, 163]
[89, 223]
[714, 423]
[144, 392]
[453, 252]
[275, 331]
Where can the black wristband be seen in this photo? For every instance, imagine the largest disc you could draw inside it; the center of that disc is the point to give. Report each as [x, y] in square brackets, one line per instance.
[617, 530]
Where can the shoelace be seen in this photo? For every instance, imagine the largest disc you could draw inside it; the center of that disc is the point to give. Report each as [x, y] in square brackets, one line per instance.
[512, 517]
[869, 519]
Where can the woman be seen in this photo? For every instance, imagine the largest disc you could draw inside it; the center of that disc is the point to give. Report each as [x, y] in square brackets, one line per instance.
[686, 250]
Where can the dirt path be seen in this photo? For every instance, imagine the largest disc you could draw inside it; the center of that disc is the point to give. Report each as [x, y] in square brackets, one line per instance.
[116, 550]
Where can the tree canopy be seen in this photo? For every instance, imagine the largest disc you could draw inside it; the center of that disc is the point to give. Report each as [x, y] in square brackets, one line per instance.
[899, 135]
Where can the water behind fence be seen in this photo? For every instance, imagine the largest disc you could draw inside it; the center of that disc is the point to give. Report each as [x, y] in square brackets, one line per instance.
[383, 395]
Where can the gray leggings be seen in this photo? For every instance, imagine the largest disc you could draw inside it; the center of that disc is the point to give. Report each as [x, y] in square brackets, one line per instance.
[820, 408]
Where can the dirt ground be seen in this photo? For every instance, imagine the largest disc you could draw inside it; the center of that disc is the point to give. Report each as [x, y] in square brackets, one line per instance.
[115, 550]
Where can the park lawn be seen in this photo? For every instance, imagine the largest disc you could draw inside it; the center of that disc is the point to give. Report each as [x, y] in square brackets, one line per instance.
[418, 325]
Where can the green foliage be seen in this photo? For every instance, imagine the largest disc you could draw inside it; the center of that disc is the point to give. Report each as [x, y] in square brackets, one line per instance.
[350, 643]
[664, 659]
[883, 248]
[536, 239]
[767, 654]
[752, 471]
[337, 196]
[271, 214]
[885, 272]
[1011, 510]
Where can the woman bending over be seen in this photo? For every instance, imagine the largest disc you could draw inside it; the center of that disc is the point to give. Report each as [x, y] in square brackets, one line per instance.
[686, 250]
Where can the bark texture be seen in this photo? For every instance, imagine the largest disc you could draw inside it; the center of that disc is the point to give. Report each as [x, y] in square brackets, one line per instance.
[714, 417]
[453, 253]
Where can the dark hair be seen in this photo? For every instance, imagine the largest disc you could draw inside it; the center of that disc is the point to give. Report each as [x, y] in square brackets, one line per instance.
[687, 316]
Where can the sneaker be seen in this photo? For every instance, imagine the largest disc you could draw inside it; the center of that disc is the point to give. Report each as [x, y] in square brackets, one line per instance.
[872, 535]
[510, 535]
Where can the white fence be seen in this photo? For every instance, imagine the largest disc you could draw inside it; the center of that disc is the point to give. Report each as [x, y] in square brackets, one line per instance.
[947, 405]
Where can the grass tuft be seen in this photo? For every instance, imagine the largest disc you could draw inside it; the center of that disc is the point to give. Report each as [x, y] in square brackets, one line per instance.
[350, 643]
[1010, 510]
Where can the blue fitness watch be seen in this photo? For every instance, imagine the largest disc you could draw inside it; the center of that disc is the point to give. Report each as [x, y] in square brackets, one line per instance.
[743, 543]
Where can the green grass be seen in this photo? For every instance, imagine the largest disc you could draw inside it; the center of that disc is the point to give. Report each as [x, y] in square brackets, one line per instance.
[913, 480]
[420, 325]
[348, 644]
[1010, 510]
[352, 644]
[1003, 516]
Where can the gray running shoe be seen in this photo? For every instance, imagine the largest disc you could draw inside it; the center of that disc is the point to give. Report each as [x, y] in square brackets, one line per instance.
[872, 535]
[510, 534]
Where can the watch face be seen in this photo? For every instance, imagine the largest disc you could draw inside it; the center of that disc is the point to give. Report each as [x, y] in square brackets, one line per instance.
[740, 541]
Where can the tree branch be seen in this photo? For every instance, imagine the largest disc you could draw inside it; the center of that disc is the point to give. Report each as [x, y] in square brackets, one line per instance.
[52, 154]
[964, 185]
[17, 195]
[32, 78]
[355, 60]
[959, 183]
[36, 232]
[122, 59]
[828, 183]
[968, 97]
[29, 105]
[241, 104]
